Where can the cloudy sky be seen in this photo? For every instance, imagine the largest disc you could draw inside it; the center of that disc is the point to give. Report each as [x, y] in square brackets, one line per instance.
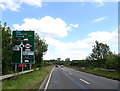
[69, 28]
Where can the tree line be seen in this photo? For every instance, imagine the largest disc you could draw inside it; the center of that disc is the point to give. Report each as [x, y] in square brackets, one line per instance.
[7, 43]
[101, 57]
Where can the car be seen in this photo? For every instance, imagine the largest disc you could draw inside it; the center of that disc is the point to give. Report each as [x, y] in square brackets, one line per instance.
[56, 66]
[62, 66]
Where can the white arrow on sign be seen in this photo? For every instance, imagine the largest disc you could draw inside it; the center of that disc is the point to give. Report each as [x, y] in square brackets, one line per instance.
[26, 61]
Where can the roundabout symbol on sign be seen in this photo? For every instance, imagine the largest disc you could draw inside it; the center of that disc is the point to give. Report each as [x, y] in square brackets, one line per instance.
[27, 46]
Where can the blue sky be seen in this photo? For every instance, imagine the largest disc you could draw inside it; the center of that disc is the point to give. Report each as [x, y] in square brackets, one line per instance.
[69, 28]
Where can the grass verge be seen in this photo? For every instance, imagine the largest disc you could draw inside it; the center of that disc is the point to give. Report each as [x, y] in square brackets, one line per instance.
[29, 81]
[111, 75]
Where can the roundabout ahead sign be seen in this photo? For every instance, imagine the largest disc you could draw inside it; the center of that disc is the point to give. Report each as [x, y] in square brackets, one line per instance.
[23, 50]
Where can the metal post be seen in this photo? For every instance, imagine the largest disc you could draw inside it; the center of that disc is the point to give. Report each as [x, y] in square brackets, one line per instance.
[15, 67]
[22, 68]
[30, 66]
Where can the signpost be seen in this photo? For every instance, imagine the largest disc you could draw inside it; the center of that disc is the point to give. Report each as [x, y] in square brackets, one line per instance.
[23, 50]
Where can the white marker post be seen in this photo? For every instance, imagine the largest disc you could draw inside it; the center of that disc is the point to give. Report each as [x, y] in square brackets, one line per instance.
[30, 66]
[22, 68]
[15, 67]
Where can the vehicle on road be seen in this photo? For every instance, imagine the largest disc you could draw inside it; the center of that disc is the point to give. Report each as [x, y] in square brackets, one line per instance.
[62, 66]
[56, 66]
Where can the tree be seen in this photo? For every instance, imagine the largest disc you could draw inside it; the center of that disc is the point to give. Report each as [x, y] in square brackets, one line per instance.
[100, 52]
[67, 59]
[6, 49]
[0, 47]
[58, 59]
[112, 62]
[40, 49]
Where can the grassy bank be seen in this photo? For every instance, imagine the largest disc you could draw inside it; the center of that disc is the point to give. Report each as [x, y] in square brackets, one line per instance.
[111, 75]
[27, 81]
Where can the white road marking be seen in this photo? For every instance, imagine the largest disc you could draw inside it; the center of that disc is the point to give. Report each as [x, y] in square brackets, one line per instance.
[48, 80]
[85, 81]
[66, 74]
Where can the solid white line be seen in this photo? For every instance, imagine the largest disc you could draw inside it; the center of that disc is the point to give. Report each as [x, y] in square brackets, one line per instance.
[85, 81]
[48, 80]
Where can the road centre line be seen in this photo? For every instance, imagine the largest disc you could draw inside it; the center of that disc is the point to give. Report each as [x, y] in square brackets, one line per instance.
[70, 73]
[85, 81]
[48, 79]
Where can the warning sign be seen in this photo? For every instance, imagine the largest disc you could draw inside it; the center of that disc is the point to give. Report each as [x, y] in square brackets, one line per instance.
[27, 46]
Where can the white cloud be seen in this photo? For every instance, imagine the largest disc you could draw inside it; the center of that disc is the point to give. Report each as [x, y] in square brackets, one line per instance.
[14, 5]
[2, 6]
[32, 2]
[99, 3]
[66, 50]
[81, 48]
[10, 4]
[46, 26]
[74, 25]
[99, 19]
[104, 36]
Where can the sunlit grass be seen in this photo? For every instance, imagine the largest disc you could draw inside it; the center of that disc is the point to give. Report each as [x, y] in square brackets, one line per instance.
[112, 75]
[27, 81]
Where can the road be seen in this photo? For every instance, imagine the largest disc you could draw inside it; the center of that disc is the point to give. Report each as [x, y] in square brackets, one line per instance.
[65, 78]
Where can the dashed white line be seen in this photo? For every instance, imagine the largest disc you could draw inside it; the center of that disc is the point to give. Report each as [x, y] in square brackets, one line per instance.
[85, 81]
[70, 73]
[66, 74]
[48, 80]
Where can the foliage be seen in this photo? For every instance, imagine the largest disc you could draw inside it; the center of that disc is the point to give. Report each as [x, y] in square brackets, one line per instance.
[43, 63]
[6, 50]
[101, 57]
[40, 49]
[112, 62]
[100, 52]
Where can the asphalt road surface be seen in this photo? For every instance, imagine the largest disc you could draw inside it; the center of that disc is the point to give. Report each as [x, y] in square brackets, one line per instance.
[65, 78]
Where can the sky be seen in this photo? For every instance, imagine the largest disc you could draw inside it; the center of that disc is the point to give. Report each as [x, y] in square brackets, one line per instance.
[69, 28]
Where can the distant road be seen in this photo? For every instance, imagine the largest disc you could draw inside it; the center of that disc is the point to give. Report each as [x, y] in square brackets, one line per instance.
[65, 78]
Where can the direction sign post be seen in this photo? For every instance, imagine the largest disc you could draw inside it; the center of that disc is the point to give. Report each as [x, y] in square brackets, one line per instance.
[22, 68]
[15, 67]
[23, 50]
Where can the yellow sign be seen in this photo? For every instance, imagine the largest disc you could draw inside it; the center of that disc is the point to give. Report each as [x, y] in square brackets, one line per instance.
[29, 35]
